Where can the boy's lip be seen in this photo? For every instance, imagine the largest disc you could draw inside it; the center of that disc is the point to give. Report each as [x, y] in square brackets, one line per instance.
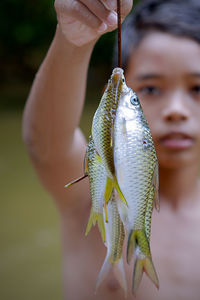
[177, 140]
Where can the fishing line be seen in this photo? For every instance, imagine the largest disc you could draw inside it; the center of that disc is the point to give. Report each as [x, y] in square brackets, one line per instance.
[119, 33]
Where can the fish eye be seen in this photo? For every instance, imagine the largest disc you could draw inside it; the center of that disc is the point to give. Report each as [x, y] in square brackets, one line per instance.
[123, 80]
[134, 100]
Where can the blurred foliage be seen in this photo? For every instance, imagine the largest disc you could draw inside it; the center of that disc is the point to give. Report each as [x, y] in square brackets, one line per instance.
[26, 30]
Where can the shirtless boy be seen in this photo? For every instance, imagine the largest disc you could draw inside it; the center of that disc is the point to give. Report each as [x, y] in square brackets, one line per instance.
[163, 66]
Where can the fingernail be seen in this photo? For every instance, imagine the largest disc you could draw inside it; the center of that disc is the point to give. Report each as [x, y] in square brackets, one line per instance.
[112, 18]
[112, 4]
[102, 28]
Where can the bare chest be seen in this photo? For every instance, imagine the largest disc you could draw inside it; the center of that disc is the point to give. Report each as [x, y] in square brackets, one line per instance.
[175, 245]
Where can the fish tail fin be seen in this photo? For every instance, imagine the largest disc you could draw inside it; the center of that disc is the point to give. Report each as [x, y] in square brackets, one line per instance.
[105, 269]
[119, 272]
[75, 181]
[138, 243]
[93, 219]
[140, 266]
[116, 185]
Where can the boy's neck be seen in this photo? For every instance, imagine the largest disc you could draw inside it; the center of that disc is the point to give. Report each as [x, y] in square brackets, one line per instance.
[179, 186]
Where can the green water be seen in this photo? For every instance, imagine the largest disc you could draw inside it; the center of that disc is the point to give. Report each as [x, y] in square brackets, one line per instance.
[30, 251]
[30, 247]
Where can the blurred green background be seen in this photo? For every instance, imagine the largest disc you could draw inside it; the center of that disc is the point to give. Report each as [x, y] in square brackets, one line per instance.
[30, 250]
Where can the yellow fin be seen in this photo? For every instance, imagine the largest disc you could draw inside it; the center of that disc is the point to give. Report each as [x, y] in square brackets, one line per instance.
[150, 271]
[107, 196]
[108, 190]
[93, 219]
[98, 158]
[116, 185]
[106, 212]
[131, 245]
[139, 245]
[137, 275]
[143, 265]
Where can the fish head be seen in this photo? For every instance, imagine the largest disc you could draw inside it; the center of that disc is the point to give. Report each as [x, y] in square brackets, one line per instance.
[130, 103]
[117, 81]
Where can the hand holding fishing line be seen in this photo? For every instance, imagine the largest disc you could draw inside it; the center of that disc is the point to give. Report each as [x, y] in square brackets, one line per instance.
[84, 21]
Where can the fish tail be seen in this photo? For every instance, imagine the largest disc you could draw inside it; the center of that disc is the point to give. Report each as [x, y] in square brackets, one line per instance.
[116, 185]
[105, 269]
[93, 219]
[119, 272]
[140, 266]
[139, 245]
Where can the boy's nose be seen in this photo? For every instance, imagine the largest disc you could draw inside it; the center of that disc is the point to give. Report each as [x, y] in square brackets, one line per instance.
[176, 108]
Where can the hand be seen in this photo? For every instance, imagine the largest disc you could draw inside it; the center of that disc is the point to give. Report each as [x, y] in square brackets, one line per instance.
[83, 21]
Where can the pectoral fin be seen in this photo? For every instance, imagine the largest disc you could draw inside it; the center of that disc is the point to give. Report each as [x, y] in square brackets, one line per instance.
[116, 185]
[107, 196]
[124, 129]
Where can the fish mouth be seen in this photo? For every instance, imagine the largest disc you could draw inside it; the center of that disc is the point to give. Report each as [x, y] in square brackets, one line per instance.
[177, 140]
[117, 75]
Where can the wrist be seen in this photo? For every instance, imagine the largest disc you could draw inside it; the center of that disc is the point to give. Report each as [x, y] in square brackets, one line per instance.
[62, 40]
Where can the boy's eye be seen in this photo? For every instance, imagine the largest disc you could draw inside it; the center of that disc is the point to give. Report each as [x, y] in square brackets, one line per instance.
[150, 90]
[195, 89]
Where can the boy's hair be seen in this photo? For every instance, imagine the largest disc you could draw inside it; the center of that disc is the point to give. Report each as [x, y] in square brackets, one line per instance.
[176, 17]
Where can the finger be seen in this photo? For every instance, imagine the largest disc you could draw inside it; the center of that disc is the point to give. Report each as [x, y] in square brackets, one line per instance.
[82, 13]
[98, 9]
[126, 6]
[110, 4]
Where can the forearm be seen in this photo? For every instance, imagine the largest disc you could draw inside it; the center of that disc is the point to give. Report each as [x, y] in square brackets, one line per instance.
[56, 99]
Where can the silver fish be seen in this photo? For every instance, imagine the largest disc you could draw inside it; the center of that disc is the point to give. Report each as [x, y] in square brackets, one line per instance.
[136, 169]
[102, 129]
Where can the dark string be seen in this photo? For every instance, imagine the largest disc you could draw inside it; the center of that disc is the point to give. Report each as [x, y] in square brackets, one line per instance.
[119, 33]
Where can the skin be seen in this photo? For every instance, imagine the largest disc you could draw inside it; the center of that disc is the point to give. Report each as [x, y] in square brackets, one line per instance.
[171, 102]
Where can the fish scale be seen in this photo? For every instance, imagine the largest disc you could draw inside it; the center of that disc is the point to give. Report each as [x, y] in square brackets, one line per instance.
[135, 163]
[97, 178]
[122, 167]
[117, 234]
[103, 122]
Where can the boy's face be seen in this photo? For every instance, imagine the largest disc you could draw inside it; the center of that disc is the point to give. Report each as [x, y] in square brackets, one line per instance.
[165, 73]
